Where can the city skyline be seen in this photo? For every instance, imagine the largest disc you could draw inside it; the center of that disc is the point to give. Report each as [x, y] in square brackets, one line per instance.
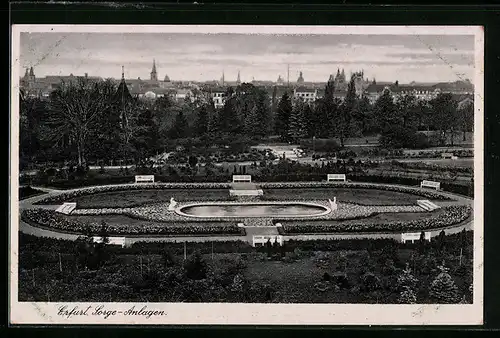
[205, 57]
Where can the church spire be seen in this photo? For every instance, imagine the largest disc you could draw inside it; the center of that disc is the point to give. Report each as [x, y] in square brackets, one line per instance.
[154, 75]
[238, 81]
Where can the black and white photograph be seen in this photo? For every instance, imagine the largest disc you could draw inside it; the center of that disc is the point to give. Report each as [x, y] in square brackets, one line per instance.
[246, 175]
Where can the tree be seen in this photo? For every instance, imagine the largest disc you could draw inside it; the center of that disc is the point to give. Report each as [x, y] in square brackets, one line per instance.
[145, 141]
[343, 122]
[466, 116]
[365, 115]
[31, 113]
[167, 257]
[196, 267]
[422, 243]
[180, 129]
[75, 109]
[298, 127]
[406, 108]
[444, 115]
[407, 296]
[406, 279]
[252, 125]
[284, 111]
[443, 289]
[384, 111]
[228, 121]
[201, 123]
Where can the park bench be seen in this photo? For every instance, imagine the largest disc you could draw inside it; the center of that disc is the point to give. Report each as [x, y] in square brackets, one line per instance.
[112, 240]
[336, 177]
[430, 184]
[145, 179]
[448, 156]
[242, 178]
[413, 237]
[262, 240]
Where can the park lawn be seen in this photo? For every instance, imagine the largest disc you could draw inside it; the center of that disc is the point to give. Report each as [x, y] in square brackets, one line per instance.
[359, 196]
[133, 198]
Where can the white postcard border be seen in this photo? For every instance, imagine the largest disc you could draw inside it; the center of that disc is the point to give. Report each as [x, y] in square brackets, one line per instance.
[254, 314]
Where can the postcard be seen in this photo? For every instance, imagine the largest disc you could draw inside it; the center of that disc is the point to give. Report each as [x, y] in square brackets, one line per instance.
[256, 175]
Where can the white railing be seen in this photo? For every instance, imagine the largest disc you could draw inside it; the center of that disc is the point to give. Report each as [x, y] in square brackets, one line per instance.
[336, 177]
[430, 184]
[242, 178]
[144, 178]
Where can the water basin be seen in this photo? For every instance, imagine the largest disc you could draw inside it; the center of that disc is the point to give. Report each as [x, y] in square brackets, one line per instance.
[254, 210]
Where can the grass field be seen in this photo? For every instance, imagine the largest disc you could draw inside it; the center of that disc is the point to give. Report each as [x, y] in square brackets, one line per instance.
[125, 199]
[360, 196]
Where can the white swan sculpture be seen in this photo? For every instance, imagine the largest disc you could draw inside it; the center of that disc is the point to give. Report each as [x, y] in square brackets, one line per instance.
[172, 204]
[333, 204]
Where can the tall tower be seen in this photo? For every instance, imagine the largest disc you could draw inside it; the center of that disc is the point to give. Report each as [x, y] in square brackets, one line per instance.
[238, 80]
[31, 77]
[154, 75]
[301, 78]
[222, 78]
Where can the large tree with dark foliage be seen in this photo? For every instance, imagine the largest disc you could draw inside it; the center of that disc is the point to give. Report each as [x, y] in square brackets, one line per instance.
[444, 116]
[284, 111]
[75, 112]
[384, 111]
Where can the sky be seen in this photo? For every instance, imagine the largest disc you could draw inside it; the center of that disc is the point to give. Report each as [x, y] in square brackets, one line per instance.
[202, 57]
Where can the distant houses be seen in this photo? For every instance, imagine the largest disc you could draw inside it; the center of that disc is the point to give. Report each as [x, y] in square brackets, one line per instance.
[309, 92]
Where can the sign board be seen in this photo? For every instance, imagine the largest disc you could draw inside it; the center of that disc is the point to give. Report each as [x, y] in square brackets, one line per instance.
[264, 239]
[430, 184]
[242, 178]
[336, 177]
[414, 237]
[144, 178]
[112, 240]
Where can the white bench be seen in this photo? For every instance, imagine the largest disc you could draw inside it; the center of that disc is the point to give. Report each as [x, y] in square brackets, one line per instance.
[336, 177]
[242, 178]
[264, 239]
[413, 237]
[112, 240]
[430, 184]
[66, 208]
[144, 178]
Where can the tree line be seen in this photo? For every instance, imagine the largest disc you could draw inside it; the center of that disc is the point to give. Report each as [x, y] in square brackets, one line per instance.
[88, 120]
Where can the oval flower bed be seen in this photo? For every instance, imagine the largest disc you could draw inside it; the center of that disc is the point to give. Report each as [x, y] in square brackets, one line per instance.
[451, 215]
[51, 219]
[159, 212]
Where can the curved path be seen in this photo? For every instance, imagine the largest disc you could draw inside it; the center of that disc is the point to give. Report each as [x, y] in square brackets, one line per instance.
[251, 231]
